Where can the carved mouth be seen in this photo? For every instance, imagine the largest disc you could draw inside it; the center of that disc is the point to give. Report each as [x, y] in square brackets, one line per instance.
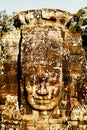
[42, 101]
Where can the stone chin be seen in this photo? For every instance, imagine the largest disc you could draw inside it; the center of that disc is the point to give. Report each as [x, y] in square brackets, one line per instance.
[43, 105]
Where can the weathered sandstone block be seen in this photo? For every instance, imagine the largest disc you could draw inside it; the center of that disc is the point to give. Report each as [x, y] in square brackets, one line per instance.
[43, 74]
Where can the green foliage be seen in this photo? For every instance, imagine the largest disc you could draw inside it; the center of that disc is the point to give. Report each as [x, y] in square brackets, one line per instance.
[79, 21]
[79, 24]
[6, 21]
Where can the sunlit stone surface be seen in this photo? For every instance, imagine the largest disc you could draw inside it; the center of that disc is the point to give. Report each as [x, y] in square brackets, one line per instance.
[43, 74]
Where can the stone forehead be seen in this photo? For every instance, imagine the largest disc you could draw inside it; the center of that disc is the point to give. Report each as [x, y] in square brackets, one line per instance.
[41, 44]
[41, 34]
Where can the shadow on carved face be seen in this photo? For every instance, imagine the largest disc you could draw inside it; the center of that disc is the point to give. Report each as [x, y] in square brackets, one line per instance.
[43, 87]
[42, 84]
[42, 73]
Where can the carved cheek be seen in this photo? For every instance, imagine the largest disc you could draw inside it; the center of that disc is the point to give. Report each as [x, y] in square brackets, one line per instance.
[54, 86]
[56, 90]
[53, 90]
[34, 90]
[29, 88]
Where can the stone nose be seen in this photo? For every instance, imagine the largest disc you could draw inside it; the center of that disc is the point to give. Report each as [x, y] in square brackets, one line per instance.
[42, 91]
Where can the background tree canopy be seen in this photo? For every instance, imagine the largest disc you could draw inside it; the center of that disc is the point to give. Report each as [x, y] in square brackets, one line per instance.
[6, 22]
[79, 24]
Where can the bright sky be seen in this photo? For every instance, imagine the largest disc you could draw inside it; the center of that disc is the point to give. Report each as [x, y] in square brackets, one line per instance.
[20, 5]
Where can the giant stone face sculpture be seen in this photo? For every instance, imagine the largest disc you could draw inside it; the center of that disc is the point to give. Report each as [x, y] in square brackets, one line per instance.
[41, 65]
[43, 74]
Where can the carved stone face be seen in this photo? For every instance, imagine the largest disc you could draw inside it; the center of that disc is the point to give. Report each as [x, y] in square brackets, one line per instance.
[41, 68]
[43, 87]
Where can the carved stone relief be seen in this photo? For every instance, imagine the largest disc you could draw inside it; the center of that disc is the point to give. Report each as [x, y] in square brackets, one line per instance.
[43, 74]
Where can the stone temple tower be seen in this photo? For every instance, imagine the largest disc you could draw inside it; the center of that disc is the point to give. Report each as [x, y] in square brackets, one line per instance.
[43, 74]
